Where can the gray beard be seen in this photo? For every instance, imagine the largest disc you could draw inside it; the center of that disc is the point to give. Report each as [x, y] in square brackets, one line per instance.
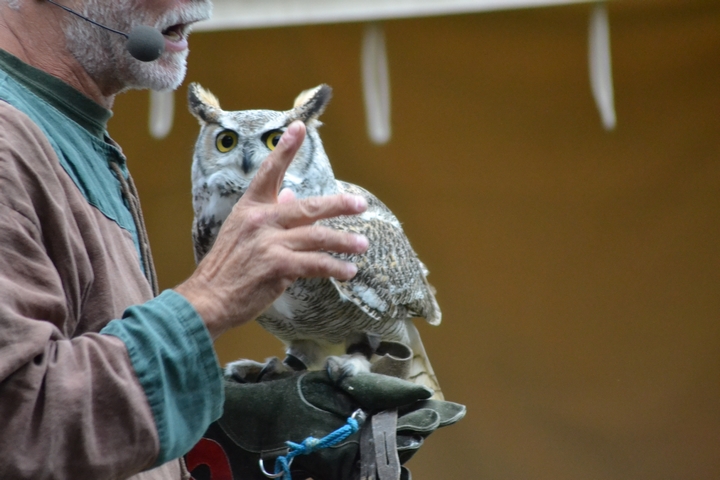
[104, 56]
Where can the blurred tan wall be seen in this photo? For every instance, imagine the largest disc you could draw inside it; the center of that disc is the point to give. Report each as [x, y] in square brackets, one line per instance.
[578, 270]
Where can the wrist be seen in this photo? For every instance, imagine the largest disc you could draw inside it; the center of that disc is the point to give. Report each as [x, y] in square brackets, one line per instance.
[206, 305]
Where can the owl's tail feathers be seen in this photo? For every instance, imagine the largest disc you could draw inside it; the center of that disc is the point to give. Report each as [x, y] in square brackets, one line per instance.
[434, 315]
[421, 372]
[432, 312]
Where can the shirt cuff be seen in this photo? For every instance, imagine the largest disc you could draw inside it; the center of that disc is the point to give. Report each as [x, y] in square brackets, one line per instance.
[173, 357]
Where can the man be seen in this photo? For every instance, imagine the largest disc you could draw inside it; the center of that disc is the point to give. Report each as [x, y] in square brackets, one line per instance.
[80, 396]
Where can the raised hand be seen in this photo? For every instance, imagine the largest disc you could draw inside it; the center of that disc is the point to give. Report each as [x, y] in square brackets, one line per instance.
[268, 242]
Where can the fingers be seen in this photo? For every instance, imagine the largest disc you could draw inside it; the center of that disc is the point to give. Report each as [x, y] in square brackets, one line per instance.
[319, 264]
[266, 184]
[308, 246]
[310, 210]
[317, 237]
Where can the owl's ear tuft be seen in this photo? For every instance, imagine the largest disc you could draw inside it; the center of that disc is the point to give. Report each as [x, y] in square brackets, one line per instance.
[203, 104]
[310, 104]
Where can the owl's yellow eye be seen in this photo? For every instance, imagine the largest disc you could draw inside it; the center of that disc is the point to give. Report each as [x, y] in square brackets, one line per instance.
[272, 138]
[226, 141]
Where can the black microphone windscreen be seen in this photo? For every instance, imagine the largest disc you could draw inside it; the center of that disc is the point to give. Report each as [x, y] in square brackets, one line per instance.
[145, 43]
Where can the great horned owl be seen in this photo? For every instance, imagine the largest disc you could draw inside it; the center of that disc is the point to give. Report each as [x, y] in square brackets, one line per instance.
[316, 318]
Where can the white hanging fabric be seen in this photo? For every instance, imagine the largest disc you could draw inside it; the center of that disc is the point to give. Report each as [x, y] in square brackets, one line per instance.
[162, 110]
[376, 84]
[375, 72]
[600, 64]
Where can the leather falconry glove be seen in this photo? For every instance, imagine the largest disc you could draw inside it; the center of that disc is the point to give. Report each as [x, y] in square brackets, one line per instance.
[262, 415]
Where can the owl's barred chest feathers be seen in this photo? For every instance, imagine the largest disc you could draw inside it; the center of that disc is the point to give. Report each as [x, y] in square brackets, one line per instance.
[312, 315]
[312, 309]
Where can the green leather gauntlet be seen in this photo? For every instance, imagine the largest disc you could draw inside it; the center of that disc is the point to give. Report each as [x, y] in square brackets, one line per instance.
[260, 417]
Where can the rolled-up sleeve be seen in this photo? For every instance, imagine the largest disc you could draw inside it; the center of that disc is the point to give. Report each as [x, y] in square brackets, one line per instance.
[172, 354]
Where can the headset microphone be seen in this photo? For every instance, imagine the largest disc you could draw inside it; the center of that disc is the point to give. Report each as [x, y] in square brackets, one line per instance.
[143, 43]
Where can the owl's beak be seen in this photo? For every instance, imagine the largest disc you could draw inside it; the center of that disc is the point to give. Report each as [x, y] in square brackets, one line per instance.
[247, 164]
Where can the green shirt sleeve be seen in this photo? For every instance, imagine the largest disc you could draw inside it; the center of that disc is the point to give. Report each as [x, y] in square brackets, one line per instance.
[172, 354]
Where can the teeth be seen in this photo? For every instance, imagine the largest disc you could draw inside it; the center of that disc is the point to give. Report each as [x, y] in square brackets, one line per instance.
[172, 35]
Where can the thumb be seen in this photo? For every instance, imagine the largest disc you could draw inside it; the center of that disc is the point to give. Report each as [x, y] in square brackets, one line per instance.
[265, 186]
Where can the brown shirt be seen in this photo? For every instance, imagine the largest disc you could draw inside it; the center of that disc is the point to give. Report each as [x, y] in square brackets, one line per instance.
[71, 403]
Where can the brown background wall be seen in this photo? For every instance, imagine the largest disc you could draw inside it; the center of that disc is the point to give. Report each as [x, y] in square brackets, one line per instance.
[577, 269]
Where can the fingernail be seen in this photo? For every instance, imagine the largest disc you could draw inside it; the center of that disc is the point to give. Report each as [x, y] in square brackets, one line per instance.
[362, 242]
[360, 203]
[292, 131]
[351, 270]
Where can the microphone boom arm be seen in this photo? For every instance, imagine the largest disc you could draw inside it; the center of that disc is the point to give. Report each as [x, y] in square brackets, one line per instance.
[69, 10]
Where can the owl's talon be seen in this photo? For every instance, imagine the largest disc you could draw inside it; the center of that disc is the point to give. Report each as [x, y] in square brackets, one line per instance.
[341, 367]
[244, 371]
[250, 371]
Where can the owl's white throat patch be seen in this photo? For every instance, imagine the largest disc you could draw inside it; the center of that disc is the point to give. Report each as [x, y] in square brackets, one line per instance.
[283, 306]
[294, 179]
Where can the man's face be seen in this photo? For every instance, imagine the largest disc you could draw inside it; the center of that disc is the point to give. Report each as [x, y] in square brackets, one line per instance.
[103, 53]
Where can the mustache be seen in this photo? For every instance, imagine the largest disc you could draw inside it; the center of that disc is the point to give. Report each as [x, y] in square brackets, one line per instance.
[186, 16]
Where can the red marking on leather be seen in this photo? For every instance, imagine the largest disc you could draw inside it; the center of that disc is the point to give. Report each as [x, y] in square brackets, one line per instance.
[209, 452]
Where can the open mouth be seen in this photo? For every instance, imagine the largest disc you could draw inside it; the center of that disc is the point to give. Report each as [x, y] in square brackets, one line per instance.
[175, 33]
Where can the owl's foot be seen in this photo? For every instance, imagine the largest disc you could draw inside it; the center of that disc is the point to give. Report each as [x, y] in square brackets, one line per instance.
[341, 367]
[250, 371]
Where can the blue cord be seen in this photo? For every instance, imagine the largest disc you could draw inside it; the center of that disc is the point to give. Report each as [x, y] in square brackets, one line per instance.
[312, 444]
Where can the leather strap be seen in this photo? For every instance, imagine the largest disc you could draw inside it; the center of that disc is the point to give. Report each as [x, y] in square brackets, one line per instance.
[368, 467]
[384, 425]
[378, 447]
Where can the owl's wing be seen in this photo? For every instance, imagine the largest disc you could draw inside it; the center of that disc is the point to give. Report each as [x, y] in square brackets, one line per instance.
[391, 281]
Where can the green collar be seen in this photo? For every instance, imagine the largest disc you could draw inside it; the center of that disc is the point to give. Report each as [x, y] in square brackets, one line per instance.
[73, 104]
